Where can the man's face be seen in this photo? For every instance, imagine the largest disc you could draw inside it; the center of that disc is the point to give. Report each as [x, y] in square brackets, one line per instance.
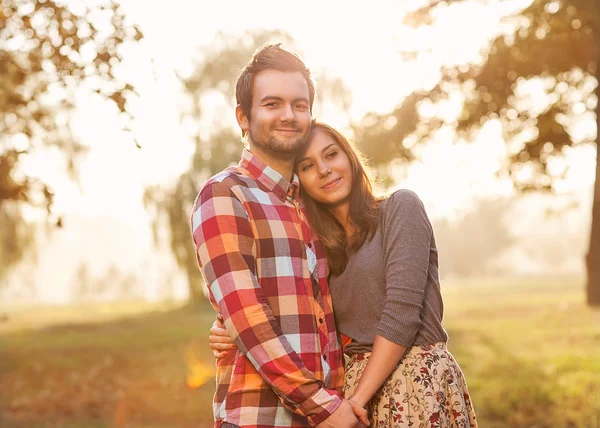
[280, 115]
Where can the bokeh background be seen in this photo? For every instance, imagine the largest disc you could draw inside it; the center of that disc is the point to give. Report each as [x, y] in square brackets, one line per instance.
[114, 113]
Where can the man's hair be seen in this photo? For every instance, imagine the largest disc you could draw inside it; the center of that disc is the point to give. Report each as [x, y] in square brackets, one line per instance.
[270, 57]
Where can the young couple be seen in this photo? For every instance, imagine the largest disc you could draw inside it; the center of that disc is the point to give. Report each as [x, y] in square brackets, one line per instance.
[294, 231]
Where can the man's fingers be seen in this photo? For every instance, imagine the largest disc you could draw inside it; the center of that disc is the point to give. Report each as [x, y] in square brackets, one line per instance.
[364, 420]
[360, 412]
[362, 416]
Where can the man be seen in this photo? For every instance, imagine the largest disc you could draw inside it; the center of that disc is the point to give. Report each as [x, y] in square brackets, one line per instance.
[266, 275]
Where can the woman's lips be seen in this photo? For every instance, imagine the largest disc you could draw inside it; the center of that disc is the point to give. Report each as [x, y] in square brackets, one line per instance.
[331, 184]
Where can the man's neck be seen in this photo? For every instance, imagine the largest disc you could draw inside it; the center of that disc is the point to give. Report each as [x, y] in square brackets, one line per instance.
[282, 165]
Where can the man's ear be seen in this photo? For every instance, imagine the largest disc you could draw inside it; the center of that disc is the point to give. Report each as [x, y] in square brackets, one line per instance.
[242, 119]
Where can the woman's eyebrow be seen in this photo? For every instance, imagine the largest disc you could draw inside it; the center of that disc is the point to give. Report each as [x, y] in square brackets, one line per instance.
[306, 157]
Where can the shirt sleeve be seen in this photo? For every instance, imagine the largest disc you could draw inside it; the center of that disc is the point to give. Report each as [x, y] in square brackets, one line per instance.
[407, 235]
[225, 247]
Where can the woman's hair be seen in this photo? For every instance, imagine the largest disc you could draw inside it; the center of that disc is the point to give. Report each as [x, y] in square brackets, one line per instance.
[363, 211]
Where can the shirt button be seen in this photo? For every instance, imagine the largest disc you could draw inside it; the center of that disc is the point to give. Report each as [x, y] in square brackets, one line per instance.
[325, 357]
[320, 320]
[309, 245]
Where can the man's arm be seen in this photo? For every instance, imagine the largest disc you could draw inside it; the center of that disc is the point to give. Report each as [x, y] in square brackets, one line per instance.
[225, 244]
[220, 342]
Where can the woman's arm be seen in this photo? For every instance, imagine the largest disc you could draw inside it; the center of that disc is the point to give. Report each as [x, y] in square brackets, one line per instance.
[406, 238]
[384, 358]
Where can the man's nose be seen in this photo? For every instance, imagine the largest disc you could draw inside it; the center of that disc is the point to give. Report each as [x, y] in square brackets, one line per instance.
[288, 115]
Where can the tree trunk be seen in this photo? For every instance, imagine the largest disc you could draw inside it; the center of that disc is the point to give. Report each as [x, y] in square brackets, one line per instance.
[593, 256]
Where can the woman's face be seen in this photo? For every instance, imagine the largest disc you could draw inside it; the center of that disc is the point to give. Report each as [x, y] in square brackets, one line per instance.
[324, 170]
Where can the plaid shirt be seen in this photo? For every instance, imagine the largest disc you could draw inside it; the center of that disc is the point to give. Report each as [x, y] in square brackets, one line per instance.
[269, 281]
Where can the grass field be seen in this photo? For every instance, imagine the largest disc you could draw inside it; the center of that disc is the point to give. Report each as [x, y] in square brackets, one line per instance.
[530, 351]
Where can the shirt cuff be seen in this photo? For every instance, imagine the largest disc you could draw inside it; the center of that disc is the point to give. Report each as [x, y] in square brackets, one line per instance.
[320, 405]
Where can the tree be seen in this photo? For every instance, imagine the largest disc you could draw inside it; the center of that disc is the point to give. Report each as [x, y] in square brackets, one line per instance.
[555, 44]
[217, 142]
[48, 50]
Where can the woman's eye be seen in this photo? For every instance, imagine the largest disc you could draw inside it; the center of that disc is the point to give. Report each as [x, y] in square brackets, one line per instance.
[306, 167]
[331, 155]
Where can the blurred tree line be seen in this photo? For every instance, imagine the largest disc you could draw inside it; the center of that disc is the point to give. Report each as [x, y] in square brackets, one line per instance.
[554, 43]
[48, 50]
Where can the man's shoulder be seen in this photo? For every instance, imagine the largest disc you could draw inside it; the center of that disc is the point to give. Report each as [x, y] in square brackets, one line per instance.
[231, 178]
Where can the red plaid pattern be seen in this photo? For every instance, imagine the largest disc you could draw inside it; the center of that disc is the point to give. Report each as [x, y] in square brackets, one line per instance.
[268, 278]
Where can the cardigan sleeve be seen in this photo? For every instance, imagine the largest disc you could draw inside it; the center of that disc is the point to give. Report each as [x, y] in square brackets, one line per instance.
[407, 235]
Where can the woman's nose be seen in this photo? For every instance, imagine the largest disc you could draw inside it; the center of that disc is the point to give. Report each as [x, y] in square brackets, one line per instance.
[324, 170]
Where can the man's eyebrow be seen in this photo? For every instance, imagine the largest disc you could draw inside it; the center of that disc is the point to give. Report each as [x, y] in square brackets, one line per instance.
[270, 97]
[276, 98]
[305, 158]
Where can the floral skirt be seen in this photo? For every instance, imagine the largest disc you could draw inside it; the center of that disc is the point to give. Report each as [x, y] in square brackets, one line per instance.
[426, 389]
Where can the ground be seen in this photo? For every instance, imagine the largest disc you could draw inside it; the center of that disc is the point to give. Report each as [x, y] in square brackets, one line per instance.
[530, 351]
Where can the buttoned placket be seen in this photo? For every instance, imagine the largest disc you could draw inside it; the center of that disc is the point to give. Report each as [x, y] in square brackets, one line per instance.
[318, 302]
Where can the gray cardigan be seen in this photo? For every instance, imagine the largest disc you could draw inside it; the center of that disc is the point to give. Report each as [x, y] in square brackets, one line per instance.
[390, 286]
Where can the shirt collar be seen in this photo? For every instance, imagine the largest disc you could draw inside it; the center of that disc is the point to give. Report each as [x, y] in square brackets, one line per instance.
[268, 177]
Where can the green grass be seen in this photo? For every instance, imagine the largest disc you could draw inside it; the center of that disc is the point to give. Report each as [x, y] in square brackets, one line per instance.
[530, 351]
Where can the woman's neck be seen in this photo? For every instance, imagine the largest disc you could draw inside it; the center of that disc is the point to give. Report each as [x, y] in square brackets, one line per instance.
[342, 215]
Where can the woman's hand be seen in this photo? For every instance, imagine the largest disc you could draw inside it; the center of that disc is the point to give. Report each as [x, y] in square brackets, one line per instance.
[219, 340]
[360, 412]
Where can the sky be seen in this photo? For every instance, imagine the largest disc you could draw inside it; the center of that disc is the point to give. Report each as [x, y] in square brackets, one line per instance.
[358, 42]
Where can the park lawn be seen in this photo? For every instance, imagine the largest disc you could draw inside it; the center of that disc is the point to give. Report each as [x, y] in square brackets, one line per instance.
[530, 350]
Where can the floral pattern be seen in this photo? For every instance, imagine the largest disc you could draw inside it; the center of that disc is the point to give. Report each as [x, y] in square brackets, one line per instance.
[426, 390]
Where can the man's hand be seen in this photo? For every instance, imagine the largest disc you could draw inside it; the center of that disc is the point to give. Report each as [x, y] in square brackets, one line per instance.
[219, 340]
[360, 412]
[343, 417]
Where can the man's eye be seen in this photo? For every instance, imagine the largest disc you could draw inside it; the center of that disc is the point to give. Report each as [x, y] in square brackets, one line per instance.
[271, 104]
[301, 107]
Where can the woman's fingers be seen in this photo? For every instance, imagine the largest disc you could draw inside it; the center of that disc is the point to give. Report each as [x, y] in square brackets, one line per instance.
[220, 334]
[219, 354]
[219, 321]
[220, 346]
[219, 340]
[218, 328]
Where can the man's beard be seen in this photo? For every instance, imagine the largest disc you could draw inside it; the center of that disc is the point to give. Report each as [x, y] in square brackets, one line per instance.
[288, 148]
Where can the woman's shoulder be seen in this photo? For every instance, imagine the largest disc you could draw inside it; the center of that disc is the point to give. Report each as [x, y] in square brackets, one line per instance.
[402, 199]
[403, 208]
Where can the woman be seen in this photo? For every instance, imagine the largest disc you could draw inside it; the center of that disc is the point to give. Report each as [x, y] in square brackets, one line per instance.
[385, 289]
